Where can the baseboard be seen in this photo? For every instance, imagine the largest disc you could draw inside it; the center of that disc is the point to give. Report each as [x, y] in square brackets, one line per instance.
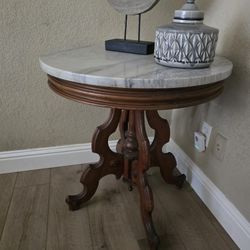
[40, 158]
[225, 212]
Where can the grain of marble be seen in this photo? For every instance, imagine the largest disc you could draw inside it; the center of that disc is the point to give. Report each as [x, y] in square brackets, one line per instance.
[95, 66]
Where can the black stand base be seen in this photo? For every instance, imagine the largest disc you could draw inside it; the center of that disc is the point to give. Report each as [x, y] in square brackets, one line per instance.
[130, 46]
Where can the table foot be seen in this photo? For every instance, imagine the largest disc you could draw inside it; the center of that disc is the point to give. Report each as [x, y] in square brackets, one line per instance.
[167, 164]
[90, 180]
[166, 161]
[109, 163]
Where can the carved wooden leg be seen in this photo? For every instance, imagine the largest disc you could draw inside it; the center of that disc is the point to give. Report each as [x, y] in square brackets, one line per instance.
[109, 163]
[139, 168]
[166, 161]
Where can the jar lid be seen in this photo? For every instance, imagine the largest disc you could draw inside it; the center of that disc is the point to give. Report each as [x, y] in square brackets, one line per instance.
[189, 13]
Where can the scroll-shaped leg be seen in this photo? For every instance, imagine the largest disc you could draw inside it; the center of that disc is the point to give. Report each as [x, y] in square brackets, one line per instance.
[166, 161]
[139, 169]
[109, 163]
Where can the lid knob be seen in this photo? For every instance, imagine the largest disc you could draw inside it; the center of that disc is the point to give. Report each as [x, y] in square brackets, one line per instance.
[189, 13]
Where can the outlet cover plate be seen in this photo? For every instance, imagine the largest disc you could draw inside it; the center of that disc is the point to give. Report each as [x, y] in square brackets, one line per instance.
[220, 147]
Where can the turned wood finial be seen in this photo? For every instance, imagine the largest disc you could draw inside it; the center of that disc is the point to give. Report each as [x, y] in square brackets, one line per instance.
[131, 146]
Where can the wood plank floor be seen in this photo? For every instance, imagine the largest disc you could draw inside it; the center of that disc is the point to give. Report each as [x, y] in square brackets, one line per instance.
[34, 216]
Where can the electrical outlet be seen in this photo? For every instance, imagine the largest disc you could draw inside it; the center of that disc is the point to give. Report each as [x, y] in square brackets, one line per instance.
[220, 146]
[206, 130]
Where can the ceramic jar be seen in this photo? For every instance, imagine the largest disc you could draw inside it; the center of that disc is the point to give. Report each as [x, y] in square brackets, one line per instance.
[186, 42]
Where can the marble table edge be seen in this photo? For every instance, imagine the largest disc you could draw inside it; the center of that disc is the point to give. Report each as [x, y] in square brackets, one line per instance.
[139, 82]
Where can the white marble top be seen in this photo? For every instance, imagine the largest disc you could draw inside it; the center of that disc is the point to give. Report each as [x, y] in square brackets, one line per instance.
[95, 66]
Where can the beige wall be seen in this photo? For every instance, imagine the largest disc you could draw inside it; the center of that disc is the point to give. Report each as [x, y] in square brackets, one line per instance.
[228, 114]
[30, 114]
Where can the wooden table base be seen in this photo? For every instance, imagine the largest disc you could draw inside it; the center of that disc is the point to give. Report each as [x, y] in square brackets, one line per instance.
[134, 157]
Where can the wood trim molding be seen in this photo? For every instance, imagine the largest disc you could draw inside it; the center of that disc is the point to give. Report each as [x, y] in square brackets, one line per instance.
[135, 99]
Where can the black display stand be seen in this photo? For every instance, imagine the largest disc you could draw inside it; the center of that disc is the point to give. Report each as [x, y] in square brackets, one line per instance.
[130, 46]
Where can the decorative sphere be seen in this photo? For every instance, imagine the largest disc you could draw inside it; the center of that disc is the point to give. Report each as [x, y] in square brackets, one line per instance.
[133, 7]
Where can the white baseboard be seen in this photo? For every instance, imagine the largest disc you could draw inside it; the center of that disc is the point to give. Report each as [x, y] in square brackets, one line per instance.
[40, 158]
[224, 211]
[31, 159]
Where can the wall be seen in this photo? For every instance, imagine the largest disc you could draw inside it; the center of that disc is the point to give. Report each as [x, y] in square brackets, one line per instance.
[230, 113]
[31, 115]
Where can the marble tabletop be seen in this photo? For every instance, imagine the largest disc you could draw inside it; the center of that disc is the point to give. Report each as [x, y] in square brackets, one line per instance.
[95, 66]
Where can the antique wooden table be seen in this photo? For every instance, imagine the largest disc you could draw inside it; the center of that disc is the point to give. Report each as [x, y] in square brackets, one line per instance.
[131, 86]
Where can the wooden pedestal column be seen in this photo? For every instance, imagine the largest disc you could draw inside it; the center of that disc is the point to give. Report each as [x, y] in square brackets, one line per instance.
[135, 156]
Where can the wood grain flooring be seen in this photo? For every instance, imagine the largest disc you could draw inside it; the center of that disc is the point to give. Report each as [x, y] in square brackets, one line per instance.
[34, 216]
